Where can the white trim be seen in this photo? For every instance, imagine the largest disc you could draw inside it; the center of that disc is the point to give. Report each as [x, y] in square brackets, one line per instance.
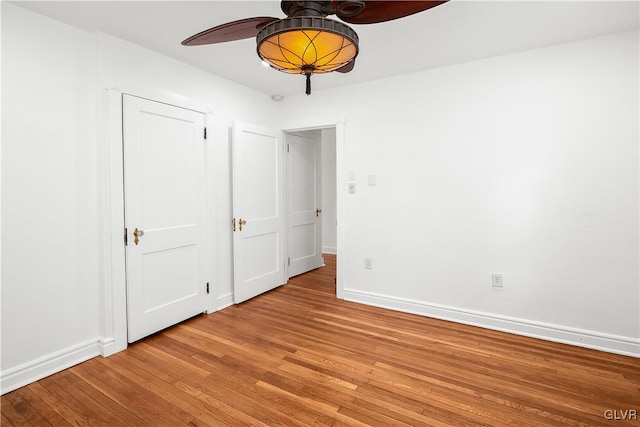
[109, 346]
[212, 220]
[114, 321]
[285, 197]
[14, 378]
[627, 346]
[341, 203]
[329, 250]
[224, 301]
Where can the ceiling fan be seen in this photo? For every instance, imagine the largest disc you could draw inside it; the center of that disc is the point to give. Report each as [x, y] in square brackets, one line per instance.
[306, 42]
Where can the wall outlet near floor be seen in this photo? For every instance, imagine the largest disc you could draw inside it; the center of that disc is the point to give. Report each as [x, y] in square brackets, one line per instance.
[368, 263]
[496, 280]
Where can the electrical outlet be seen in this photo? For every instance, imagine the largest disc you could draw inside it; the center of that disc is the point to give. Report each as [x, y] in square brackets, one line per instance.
[368, 263]
[496, 280]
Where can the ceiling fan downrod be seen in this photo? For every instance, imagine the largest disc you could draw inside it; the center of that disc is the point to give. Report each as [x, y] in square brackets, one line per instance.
[308, 70]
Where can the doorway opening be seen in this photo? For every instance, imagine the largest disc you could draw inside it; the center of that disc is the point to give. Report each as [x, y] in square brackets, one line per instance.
[311, 198]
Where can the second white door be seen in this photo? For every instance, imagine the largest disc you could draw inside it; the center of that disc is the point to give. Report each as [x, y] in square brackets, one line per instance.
[304, 185]
[258, 210]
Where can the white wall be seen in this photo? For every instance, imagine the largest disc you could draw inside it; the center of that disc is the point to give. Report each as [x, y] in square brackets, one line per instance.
[49, 239]
[328, 149]
[525, 165]
[55, 186]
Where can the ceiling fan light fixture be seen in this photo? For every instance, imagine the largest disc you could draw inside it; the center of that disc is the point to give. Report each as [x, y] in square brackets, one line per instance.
[307, 45]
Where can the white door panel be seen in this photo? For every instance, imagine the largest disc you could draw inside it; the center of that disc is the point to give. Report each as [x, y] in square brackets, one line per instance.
[258, 242]
[304, 183]
[164, 166]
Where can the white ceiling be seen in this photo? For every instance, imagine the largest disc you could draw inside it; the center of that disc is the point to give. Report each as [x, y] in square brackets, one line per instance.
[455, 32]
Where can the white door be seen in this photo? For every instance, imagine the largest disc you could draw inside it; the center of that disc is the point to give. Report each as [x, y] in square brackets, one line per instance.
[164, 175]
[304, 185]
[258, 205]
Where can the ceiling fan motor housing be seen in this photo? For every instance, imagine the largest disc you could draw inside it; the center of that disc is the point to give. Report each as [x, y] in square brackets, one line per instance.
[344, 8]
[306, 8]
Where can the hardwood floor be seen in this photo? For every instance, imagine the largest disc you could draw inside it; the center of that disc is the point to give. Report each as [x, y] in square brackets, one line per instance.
[297, 356]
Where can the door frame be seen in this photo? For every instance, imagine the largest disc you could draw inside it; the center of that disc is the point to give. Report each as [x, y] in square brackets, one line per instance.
[341, 196]
[112, 265]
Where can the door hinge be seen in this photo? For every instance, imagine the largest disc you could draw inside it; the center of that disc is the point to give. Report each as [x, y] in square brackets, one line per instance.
[205, 133]
[207, 287]
[125, 237]
[288, 148]
[289, 262]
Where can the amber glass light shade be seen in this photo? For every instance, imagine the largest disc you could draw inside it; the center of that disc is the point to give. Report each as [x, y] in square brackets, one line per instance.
[307, 45]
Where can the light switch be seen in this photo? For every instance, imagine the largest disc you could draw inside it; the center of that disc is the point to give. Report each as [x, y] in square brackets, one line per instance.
[372, 180]
[352, 188]
[352, 175]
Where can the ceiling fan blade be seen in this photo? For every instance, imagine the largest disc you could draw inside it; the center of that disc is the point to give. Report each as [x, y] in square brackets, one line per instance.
[347, 67]
[380, 11]
[236, 30]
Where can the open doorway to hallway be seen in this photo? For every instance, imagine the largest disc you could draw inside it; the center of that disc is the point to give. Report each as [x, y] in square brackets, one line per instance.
[311, 199]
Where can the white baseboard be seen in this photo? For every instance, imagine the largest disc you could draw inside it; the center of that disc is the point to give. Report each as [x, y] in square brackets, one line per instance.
[106, 345]
[14, 378]
[109, 346]
[329, 250]
[579, 337]
[224, 301]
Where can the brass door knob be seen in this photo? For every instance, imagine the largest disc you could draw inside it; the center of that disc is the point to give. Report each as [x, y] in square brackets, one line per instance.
[136, 234]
